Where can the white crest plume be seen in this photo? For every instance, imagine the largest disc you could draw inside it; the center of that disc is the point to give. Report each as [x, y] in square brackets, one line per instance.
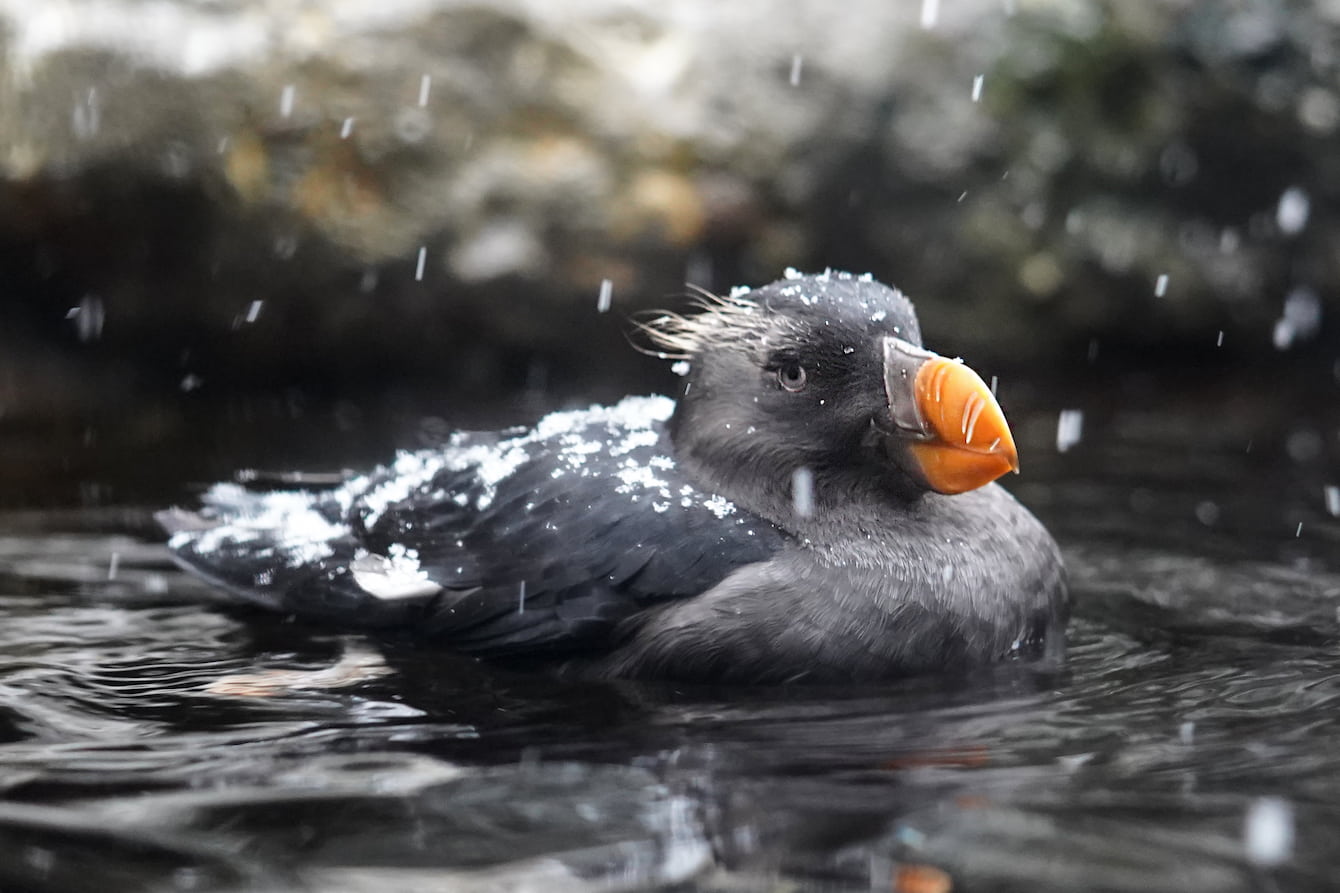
[719, 320]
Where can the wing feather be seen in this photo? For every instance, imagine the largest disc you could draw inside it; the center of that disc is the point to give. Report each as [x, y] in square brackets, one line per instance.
[530, 541]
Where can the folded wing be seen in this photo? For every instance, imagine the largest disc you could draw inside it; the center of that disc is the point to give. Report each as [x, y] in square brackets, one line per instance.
[527, 542]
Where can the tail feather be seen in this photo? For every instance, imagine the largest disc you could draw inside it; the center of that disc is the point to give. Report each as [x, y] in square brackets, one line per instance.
[291, 551]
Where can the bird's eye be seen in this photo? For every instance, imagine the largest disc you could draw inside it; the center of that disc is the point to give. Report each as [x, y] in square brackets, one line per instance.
[791, 376]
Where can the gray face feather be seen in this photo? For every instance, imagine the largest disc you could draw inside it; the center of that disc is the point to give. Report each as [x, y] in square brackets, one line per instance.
[748, 433]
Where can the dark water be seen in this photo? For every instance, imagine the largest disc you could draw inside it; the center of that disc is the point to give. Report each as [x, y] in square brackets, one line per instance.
[149, 741]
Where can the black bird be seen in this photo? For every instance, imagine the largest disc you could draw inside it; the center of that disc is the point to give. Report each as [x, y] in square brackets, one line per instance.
[817, 505]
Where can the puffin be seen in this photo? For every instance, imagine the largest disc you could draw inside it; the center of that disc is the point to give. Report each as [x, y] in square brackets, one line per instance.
[818, 505]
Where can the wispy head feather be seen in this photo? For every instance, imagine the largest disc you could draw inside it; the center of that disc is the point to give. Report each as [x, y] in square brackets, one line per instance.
[720, 320]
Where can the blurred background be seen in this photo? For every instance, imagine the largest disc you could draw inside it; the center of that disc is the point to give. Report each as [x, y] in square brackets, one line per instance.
[273, 233]
[298, 234]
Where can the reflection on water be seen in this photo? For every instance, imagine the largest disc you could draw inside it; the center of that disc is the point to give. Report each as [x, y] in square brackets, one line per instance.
[156, 742]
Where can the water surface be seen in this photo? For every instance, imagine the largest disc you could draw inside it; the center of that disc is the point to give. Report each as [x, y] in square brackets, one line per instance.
[152, 740]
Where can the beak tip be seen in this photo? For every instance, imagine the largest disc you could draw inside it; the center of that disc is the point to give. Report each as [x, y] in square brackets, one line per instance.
[965, 417]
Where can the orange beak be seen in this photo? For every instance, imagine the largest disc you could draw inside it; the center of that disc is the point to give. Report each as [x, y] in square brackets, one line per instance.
[958, 439]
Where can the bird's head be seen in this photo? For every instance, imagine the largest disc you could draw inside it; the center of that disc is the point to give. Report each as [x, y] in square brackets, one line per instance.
[826, 374]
